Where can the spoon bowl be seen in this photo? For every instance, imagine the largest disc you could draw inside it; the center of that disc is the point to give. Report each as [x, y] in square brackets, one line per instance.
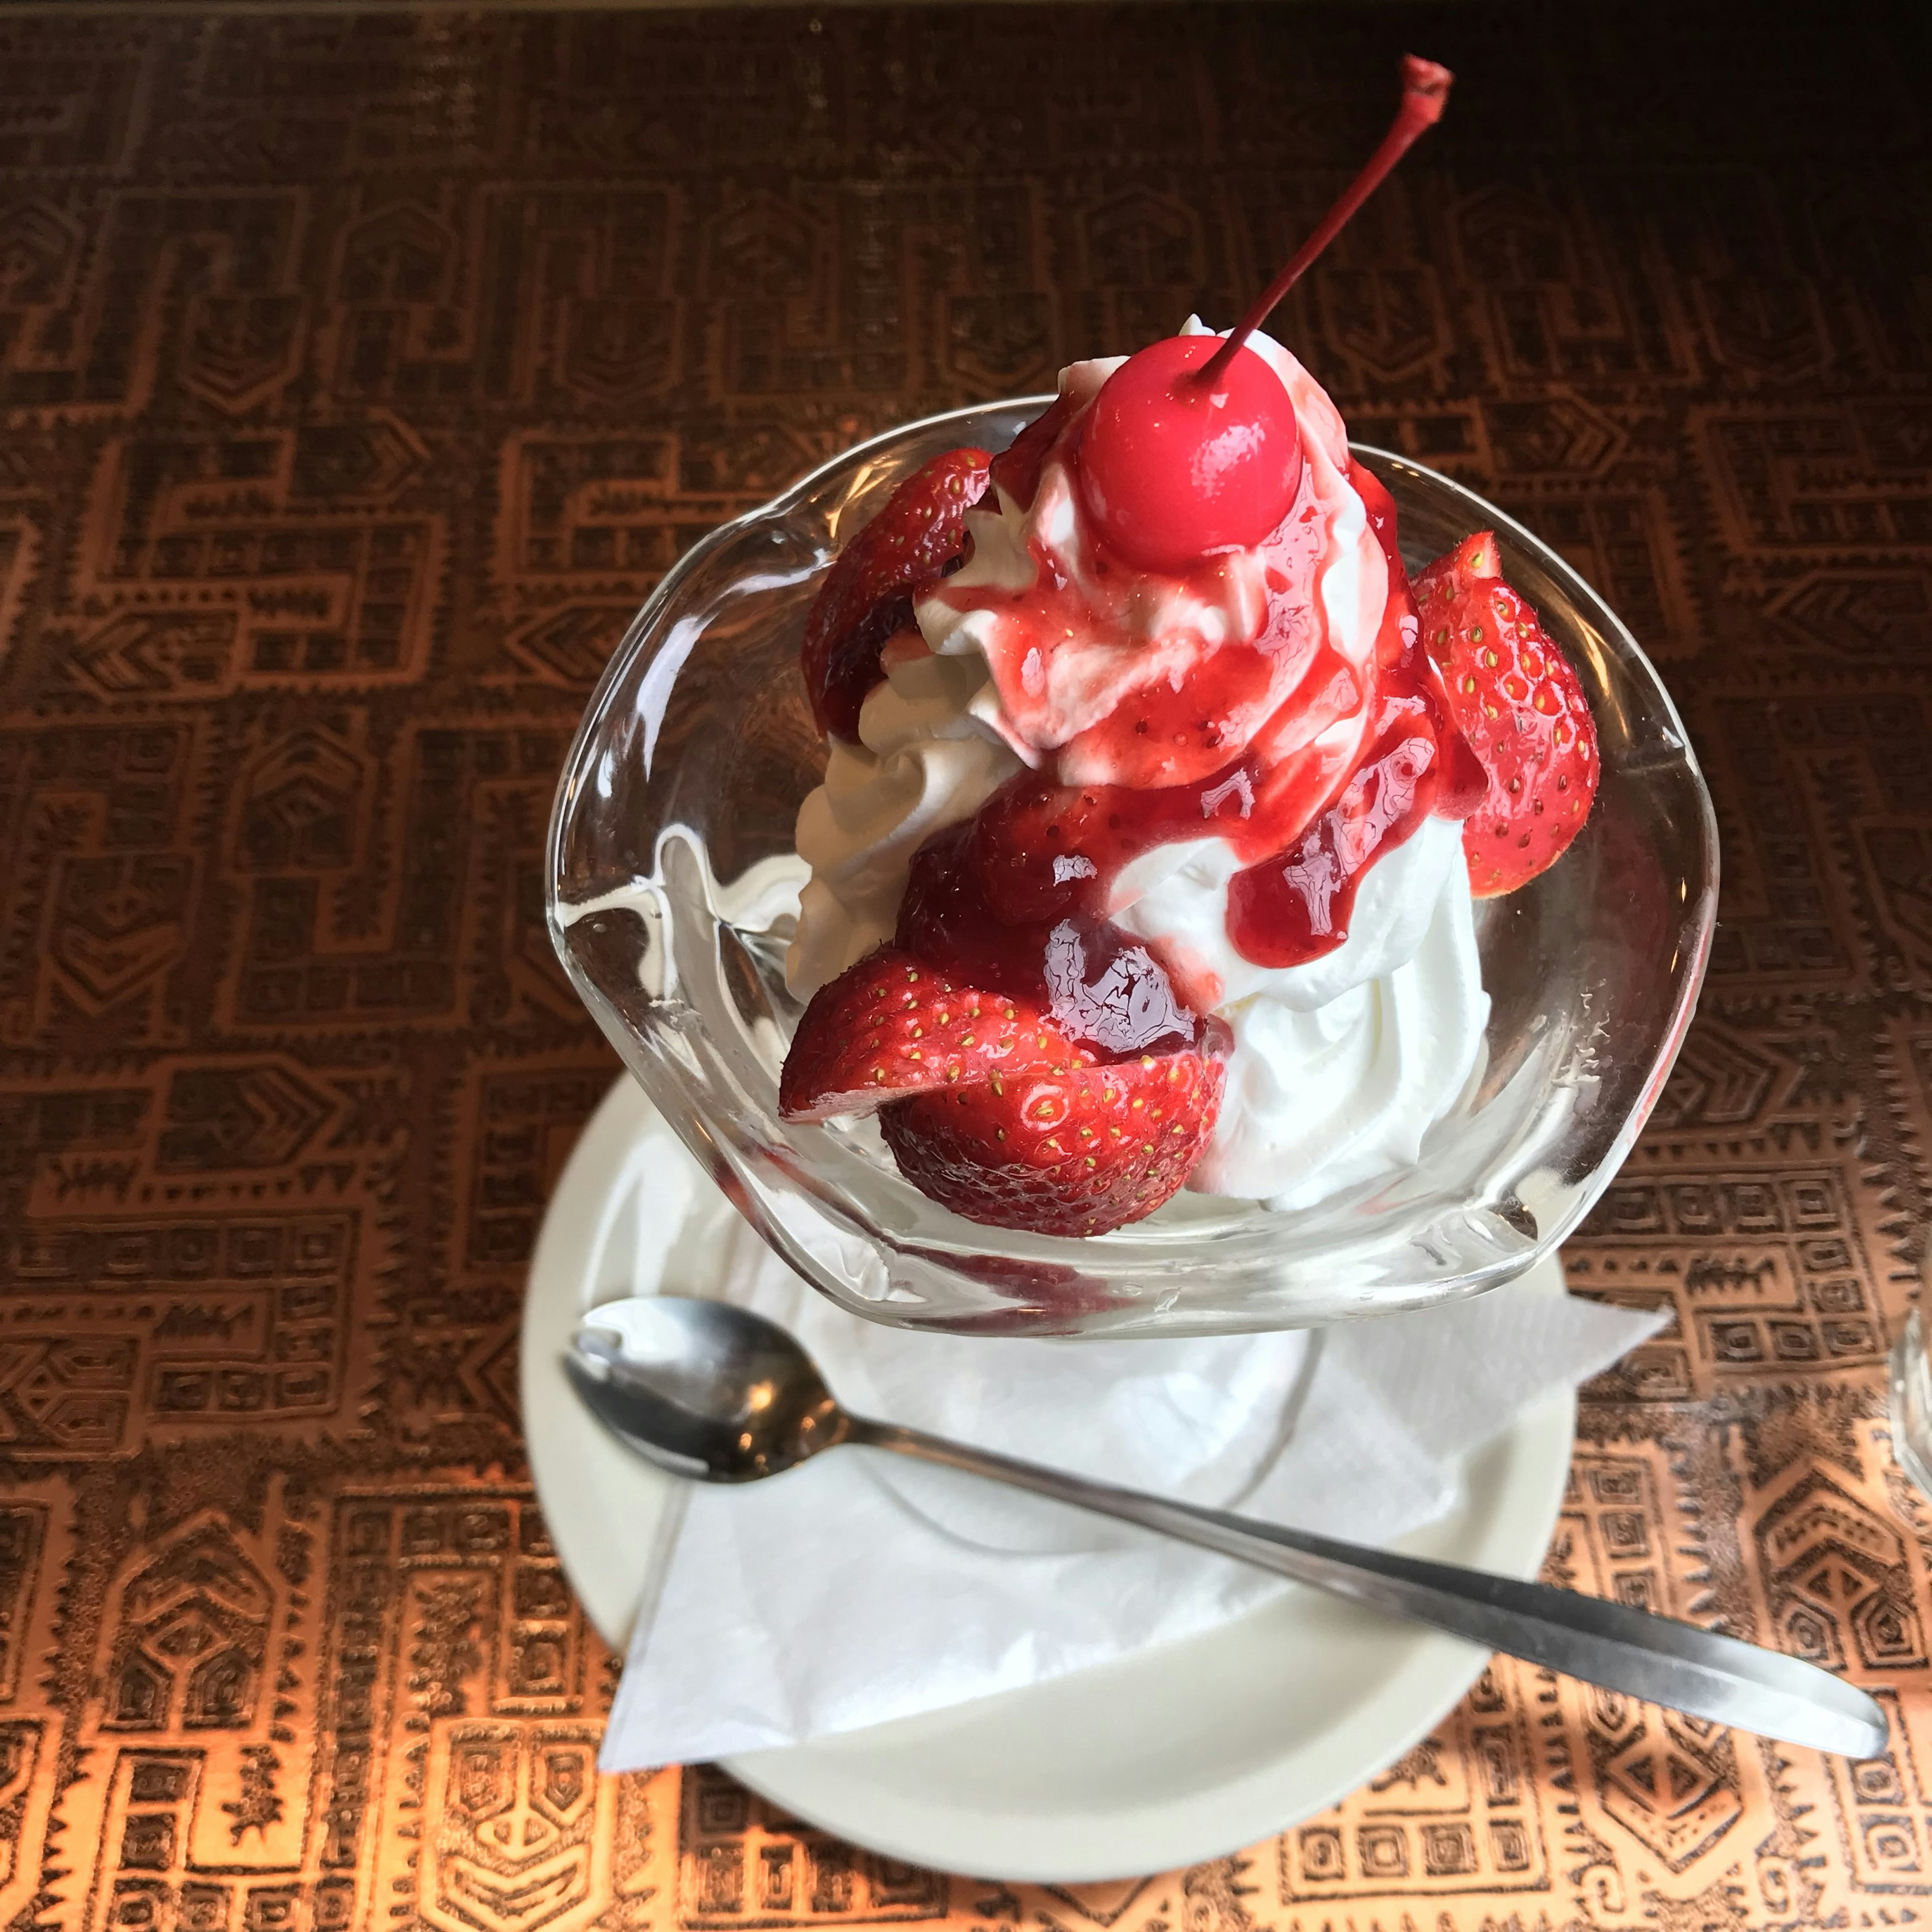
[708, 1390]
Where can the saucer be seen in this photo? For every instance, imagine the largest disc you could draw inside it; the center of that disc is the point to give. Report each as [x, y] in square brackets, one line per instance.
[1173, 1755]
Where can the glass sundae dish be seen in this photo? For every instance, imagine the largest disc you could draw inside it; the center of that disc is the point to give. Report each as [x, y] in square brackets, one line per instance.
[1149, 910]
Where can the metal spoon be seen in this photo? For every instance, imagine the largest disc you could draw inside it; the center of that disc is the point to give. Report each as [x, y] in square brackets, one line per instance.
[715, 1393]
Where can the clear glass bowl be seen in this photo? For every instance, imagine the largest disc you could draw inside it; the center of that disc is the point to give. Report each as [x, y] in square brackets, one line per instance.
[673, 889]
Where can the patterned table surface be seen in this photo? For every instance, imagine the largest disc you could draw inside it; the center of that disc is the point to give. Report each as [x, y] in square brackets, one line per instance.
[358, 377]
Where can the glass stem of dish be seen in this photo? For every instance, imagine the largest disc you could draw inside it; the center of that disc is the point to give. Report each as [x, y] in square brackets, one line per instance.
[1701, 1672]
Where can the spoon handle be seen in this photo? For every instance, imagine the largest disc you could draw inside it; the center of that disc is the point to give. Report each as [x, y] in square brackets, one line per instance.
[1656, 1658]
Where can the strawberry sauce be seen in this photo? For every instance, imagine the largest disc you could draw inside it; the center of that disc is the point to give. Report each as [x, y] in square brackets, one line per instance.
[1269, 746]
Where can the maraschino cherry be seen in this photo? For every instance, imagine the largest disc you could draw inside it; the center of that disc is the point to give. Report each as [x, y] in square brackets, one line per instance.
[1172, 470]
[1192, 445]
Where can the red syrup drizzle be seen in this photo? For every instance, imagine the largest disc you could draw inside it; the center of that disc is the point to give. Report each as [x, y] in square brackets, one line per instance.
[1009, 897]
[1297, 904]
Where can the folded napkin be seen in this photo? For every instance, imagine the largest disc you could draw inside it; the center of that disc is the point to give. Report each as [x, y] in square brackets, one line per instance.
[863, 1587]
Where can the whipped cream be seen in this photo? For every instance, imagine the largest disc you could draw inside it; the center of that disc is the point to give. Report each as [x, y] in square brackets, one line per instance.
[1340, 1066]
[925, 760]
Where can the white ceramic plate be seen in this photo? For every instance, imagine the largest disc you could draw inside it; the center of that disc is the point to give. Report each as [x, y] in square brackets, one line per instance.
[1178, 1754]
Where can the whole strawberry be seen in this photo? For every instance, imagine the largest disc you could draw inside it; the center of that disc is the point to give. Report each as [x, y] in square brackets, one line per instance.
[1522, 707]
[1075, 1153]
[894, 1025]
[867, 596]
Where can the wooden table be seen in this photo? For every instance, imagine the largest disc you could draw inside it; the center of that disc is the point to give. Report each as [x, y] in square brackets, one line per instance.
[358, 376]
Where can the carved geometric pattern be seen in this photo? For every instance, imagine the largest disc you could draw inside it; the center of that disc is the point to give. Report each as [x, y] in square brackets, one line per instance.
[739, 1864]
[1763, 1270]
[361, 373]
[1455, 1815]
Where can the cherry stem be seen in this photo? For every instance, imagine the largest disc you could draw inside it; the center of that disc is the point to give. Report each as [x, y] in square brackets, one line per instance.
[1425, 92]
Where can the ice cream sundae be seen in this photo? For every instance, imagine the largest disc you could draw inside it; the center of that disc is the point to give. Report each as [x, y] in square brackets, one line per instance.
[1157, 796]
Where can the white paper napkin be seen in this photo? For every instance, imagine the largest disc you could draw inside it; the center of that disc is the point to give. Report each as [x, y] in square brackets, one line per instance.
[861, 1587]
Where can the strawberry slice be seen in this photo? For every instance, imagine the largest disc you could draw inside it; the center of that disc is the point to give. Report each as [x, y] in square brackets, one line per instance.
[1072, 1152]
[1522, 707]
[894, 1025]
[867, 596]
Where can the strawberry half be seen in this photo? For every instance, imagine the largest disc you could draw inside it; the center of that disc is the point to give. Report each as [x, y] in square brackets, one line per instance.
[1521, 706]
[867, 596]
[893, 1025]
[1075, 1152]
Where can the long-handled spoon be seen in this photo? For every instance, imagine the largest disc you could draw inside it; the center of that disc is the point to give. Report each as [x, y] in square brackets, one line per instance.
[717, 1393]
